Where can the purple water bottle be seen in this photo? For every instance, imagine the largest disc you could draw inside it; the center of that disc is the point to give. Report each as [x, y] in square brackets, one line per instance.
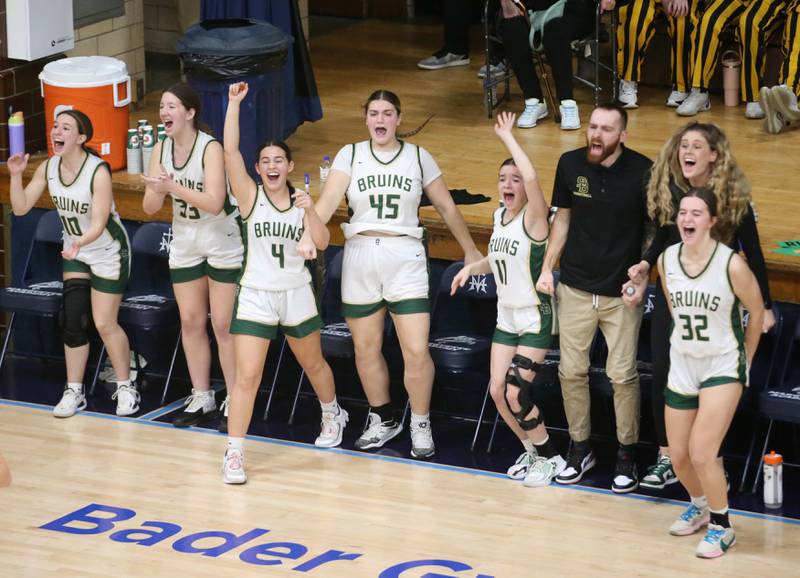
[16, 134]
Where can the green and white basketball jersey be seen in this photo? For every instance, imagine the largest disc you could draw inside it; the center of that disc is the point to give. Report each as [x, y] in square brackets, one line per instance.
[707, 317]
[74, 201]
[516, 261]
[384, 196]
[190, 175]
[270, 238]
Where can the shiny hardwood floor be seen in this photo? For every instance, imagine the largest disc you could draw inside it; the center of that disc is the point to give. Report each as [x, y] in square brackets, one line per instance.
[315, 505]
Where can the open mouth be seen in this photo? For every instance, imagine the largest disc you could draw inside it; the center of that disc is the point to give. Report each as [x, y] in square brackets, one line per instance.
[508, 198]
[273, 177]
[689, 163]
[596, 148]
[167, 124]
[380, 131]
[688, 232]
[58, 146]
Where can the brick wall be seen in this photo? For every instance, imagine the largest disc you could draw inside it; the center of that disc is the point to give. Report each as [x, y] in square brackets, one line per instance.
[121, 37]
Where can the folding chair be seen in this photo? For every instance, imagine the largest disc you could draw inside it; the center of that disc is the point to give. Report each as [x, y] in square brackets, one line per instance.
[32, 298]
[150, 304]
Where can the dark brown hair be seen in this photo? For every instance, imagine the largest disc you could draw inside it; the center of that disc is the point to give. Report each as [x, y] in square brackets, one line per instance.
[394, 100]
[614, 107]
[190, 100]
[84, 127]
[706, 195]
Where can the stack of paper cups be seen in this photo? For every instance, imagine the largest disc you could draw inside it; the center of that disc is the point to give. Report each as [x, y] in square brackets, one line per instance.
[148, 142]
[161, 132]
[134, 152]
[140, 124]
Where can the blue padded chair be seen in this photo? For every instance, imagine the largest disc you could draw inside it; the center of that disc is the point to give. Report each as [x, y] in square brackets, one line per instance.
[462, 327]
[779, 399]
[149, 304]
[41, 291]
[335, 336]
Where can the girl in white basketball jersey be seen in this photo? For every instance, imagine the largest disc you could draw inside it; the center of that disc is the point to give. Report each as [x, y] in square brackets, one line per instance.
[385, 263]
[96, 254]
[275, 290]
[710, 354]
[205, 254]
[524, 316]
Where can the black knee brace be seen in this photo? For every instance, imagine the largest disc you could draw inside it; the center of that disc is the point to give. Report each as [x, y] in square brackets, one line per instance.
[75, 308]
[524, 399]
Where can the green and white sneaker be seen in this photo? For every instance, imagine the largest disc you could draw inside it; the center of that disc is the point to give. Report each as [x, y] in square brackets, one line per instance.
[692, 519]
[519, 469]
[659, 475]
[543, 471]
[716, 542]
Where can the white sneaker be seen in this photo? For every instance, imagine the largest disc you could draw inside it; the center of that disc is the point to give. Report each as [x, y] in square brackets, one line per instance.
[127, 399]
[443, 60]
[378, 432]
[534, 110]
[753, 110]
[72, 401]
[716, 542]
[519, 469]
[697, 101]
[199, 405]
[496, 70]
[570, 117]
[233, 467]
[544, 471]
[422, 440]
[331, 429]
[628, 93]
[690, 521]
[676, 97]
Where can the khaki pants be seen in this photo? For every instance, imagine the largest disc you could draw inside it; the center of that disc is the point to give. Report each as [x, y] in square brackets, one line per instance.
[579, 315]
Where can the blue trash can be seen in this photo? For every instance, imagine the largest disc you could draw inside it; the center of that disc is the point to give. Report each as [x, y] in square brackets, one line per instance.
[217, 53]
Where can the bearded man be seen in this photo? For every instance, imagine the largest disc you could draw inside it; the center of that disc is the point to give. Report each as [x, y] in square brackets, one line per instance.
[598, 230]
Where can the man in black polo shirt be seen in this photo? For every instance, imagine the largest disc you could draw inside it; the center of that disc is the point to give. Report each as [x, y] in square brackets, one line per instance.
[600, 192]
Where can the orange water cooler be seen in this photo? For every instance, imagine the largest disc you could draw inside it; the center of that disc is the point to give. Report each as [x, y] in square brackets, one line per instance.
[98, 86]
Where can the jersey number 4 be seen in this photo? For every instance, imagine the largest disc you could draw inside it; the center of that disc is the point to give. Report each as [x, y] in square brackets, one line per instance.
[387, 205]
[277, 252]
[693, 327]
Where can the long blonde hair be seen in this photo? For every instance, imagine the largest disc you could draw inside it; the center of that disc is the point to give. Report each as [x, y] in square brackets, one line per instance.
[727, 180]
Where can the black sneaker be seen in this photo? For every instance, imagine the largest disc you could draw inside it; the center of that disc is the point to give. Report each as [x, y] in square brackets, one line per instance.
[378, 432]
[626, 475]
[580, 460]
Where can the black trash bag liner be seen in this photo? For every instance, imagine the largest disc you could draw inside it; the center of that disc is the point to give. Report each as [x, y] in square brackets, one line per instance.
[233, 48]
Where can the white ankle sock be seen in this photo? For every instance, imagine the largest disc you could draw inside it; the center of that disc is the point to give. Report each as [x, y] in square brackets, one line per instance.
[235, 443]
[528, 443]
[75, 386]
[332, 407]
[418, 419]
[700, 501]
[126, 382]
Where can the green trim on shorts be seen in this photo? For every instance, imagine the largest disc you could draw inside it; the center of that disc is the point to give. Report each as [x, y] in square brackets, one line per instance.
[262, 330]
[303, 329]
[186, 274]
[680, 401]
[75, 266]
[351, 310]
[537, 340]
[719, 380]
[505, 337]
[409, 306]
[223, 275]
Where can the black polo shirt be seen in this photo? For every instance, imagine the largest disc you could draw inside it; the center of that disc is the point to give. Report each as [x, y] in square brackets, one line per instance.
[608, 212]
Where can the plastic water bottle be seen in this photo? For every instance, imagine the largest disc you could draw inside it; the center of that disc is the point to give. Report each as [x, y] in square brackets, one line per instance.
[773, 480]
[16, 134]
[324, 170]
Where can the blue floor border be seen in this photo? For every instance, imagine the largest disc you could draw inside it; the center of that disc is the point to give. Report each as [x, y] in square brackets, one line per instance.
[372, 456]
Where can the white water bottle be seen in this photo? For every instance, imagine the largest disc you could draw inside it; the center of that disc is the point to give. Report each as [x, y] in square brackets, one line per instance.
[324, 170]
[773, 480]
